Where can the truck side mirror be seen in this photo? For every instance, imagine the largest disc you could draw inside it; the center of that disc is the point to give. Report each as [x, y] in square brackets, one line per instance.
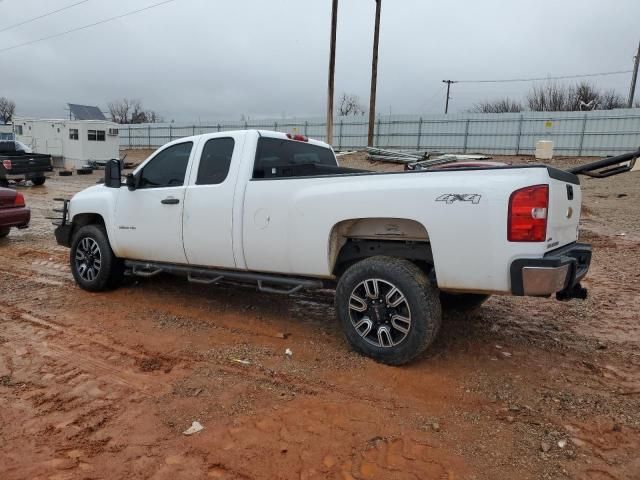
[112, 174]
[131, 181]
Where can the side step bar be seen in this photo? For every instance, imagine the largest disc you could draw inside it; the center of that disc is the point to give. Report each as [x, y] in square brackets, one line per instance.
[266, 282]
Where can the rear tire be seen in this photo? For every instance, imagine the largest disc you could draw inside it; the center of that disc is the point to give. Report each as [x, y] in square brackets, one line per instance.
[4, 183]
[93, 264]
[462, 302]
[38, 181]
[4, 231]
[388, 309]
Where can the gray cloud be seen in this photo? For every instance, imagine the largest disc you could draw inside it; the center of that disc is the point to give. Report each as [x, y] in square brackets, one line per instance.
[219, 60]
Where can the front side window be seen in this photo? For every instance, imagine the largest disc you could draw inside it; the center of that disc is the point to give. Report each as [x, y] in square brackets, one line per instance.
[276, 152]
[215, 161]
[73, 134]
[100, 135]
[167, 168]
[91, 135]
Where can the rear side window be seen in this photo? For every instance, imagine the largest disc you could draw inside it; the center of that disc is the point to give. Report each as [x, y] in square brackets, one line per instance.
[168, 168]
[215, 161]
[276, 152]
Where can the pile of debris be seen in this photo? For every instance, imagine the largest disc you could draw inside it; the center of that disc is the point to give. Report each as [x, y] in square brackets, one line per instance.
[422, 158]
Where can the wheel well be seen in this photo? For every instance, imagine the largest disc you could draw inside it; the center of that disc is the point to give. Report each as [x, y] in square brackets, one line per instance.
[354, 239]
[83, 219]
[355, 250]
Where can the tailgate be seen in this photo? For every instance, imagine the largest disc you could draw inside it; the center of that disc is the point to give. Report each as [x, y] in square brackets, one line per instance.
[28, 163]
[565, 200]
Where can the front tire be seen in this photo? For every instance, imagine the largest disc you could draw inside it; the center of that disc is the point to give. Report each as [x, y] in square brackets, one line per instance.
[4, 231]
[388, 309]
[38, 181]
[93, 264]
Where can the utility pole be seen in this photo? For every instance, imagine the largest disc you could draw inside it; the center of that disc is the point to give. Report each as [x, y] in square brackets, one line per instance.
[332, 71]
[374, 76]
[632, 90]
[446, 105]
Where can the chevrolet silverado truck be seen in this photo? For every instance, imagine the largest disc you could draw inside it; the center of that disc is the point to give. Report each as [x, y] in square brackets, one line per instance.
[17, 162]
[277, 209]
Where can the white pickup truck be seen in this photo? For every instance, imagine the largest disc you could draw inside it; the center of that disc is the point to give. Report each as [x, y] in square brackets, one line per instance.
[279, 211]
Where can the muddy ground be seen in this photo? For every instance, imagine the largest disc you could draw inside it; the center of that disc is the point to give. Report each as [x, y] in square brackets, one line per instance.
[101, 386]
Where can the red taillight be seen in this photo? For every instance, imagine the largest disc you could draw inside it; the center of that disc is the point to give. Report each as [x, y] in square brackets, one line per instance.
[527, 220]
[299, 138]
[7, 164]
[19, 200]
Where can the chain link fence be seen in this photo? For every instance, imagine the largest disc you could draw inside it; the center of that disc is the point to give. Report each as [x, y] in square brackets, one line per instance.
[595, 133]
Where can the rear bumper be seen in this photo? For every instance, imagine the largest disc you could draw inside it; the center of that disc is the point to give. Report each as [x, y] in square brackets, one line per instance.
[28, 175]
[559, 271]
[15, 217]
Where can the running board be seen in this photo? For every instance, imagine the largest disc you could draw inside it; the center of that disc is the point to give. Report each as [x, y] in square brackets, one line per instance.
[265, 282]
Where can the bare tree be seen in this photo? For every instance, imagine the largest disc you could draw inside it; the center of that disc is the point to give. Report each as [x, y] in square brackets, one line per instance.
[610, 100]
[350, 105]
[553, 97]
[502, 105]
[128, 110]
[7, 109]
[119, 110]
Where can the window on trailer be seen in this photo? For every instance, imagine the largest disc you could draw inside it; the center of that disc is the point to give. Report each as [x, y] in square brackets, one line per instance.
[73, 134]
[91, 135]
[100, 135]
[18, 129]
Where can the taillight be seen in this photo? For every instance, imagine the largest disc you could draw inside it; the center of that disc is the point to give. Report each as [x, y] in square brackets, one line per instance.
[299, 138]
[6, 164]
[527, 220]
[19, 201]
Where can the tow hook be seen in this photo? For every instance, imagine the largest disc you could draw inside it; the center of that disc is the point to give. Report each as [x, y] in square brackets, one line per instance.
[576, 291]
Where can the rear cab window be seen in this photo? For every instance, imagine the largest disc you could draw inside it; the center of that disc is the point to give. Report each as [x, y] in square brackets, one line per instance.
[215, 161]
[277, 157]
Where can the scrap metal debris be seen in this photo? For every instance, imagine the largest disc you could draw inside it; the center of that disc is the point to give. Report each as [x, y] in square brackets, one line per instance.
[194, 428]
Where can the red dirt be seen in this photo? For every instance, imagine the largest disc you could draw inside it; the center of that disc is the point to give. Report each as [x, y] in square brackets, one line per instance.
[102, 385]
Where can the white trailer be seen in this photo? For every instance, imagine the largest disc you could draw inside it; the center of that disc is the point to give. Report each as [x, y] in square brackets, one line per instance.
[71, 143]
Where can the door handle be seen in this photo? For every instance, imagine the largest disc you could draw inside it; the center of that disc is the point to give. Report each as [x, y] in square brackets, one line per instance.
[170, 201]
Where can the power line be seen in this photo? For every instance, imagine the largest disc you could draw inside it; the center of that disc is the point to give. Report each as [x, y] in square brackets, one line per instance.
[42, 16]
[560, 77]
[31, 42]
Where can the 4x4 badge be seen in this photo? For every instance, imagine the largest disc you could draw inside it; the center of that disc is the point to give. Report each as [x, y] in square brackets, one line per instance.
[449, 198]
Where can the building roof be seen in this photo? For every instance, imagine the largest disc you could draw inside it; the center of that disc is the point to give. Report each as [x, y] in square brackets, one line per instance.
[86, 112]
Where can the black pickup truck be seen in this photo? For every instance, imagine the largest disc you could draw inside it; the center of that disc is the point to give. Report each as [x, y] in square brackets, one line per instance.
[17, 163]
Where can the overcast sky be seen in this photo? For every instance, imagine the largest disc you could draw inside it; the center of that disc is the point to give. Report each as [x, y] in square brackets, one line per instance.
[216, 59]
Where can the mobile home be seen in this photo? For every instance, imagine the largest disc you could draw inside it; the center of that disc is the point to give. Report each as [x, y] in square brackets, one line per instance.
[71, 143]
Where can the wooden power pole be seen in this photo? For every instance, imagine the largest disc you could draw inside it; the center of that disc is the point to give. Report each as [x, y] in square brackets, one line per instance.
[374, 76]
[332, 71]
[634, 79]
[446, 104]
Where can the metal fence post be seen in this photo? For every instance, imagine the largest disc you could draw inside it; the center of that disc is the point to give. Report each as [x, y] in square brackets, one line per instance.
[306, 127]
[193, 130]
[218, 127]
[419, 133]
[170, 133]
[519, 135]
[377, 136]
[584, 127]
[340, 136]
[129, 130]
[246, 126]
[149, 135]
[275, 126]
[466, 136]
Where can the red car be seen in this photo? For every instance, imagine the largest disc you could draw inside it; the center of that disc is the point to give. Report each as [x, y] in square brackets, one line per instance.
[13, 212]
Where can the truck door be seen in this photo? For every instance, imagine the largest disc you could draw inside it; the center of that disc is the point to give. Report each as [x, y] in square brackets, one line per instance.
[209, 202]
[148, 220]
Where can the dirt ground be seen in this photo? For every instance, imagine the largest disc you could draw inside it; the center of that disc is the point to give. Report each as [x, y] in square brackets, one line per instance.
[101, 386]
